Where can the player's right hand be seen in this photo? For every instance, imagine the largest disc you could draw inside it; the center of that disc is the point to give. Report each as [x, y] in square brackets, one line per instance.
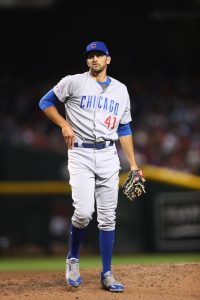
[68, 135]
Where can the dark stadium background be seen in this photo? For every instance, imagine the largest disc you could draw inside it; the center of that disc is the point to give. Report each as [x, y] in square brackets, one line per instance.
[144, 37]
[155, 50]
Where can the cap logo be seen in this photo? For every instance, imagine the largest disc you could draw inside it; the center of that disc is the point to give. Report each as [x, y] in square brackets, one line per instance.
[93, 45]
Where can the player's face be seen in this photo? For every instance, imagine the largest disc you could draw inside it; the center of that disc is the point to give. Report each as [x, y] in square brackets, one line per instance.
[97, 61]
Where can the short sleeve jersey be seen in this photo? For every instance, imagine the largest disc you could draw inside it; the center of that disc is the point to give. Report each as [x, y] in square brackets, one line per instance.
[93, 112]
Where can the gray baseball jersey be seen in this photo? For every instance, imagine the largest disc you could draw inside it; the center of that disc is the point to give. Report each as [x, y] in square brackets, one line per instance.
[93, 113]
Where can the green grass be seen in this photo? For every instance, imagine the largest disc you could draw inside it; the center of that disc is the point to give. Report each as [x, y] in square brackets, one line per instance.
[58, 263]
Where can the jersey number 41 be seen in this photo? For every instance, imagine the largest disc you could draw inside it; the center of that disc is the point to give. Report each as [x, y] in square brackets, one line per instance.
[110, 122]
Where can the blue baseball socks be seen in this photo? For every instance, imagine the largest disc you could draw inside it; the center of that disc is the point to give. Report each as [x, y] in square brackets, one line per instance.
[106, 241]
[76, 237]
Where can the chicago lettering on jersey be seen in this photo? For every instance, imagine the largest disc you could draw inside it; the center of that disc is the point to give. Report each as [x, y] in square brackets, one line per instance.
[88, 102]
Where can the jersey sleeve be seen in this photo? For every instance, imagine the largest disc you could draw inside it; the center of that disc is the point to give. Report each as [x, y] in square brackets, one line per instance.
[124, 129]
[126, 117]
[63, 88]
[47, 100]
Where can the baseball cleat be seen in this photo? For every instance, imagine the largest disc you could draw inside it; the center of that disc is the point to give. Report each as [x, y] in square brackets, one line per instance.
[109, 283]
[73, 277]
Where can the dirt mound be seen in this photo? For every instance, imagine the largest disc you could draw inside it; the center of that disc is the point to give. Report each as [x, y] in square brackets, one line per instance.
[142, 282]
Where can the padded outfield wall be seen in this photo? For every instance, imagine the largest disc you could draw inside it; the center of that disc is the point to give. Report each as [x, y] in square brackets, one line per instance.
[36, 206]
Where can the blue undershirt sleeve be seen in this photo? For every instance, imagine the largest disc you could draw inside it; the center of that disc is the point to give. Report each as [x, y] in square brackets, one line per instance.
[124, 129]
[47, 100]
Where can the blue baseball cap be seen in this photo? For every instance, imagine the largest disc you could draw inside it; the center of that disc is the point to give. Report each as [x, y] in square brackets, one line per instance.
[97, 46]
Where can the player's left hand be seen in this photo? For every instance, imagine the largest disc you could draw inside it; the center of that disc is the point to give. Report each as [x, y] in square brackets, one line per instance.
[134, 186]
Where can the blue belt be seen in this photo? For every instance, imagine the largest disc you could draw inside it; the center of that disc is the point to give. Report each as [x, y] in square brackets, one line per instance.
[95, 145]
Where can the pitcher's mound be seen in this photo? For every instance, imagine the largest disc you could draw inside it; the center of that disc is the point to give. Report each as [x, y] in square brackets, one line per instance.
[142, 282]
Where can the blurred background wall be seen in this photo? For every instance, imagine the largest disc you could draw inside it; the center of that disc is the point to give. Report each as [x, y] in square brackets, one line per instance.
[155, 50]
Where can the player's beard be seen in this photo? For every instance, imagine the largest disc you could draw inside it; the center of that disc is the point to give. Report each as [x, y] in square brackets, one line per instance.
[97, 69]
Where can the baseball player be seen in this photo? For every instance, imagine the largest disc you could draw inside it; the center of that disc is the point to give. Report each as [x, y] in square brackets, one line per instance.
[97, 115]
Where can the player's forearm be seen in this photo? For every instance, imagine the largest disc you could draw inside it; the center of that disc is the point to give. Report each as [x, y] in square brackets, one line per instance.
[128, 148]
[52, 113]
[68, 134]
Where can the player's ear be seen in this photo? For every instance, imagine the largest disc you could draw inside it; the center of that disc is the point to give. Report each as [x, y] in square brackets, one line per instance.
[108, 60]
[87, 63]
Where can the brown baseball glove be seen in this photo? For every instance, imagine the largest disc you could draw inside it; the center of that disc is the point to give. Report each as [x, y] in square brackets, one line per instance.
[134, 186]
